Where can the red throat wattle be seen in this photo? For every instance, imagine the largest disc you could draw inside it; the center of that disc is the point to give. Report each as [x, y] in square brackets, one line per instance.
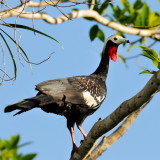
[113, 53]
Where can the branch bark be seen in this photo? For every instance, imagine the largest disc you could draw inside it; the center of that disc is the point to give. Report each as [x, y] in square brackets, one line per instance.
[118, 133]
[103, 126]
[79, 14]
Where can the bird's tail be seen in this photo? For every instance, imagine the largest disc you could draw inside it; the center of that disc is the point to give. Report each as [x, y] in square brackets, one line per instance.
[25, 105]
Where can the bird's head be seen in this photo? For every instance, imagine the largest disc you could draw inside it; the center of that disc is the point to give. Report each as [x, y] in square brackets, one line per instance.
[112, 44]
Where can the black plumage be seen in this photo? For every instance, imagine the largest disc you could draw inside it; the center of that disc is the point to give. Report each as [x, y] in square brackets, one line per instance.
[74, 97]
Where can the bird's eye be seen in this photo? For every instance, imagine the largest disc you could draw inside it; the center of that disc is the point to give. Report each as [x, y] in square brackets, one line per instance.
[115, 38]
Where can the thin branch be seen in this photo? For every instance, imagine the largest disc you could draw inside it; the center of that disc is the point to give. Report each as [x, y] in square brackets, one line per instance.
[7, 74]
[138, 40]
[4, 65]
[38, 62]
[91, 14]
[76, 14]
[144, 27]
[152, 44]
[101, 127]
[55, 5]
[92, 4]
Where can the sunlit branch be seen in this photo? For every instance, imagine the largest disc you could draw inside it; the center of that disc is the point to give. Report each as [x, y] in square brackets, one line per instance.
[90, 14]
[127, 107]
[106, 142]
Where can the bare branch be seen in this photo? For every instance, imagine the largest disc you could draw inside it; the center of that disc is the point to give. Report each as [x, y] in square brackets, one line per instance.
[10, 78]
[88, 14]
[101, 127]
[4, 65]
[19, 11]
[108, 141]
[92, 4]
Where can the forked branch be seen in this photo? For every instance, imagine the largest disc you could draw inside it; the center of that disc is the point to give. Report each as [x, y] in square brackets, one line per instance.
[103, 126]
[106, 142]
[20, 11]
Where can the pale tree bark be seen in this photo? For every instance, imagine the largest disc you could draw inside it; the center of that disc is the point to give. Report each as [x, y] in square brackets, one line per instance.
[90, 13]
[126, 108]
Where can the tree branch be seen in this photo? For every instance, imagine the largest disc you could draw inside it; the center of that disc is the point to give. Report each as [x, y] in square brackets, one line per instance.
[118, 133]
[83, 13]
[103, 126]
[18, 9]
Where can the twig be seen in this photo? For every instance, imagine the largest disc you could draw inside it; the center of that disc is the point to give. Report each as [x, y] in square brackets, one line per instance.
[144, 27]
[97, 17]
[92, 4]
[4, 65]
[55, 5]
[6, 74]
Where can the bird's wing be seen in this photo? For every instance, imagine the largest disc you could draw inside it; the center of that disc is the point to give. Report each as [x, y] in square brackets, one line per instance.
[71, 90]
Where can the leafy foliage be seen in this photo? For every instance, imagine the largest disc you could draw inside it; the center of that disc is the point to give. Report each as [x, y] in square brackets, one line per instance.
[147, 71]
[151, 54]
[137, 14]
[9, 150]
[121, 58]
[95, 31]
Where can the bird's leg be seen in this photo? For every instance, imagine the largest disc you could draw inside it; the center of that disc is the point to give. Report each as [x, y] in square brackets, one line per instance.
[82, 131]
[84, 135]
[73, 140]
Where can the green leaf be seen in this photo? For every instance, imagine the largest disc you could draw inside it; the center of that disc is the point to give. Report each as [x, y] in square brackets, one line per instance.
[14, 141]
[29, 156]
[138, 4]
[122, 58]
[29, 28]
[75, 9]
[149, 52]
[156, 63]
[103, 8]
[3, 144]
[121, 34]
[93, 32]
[96, 32]
[147, 71]
[129, 48]
[100, 35]
[154, 19]
[15, 67]
[24, 144]
[126, 5]
[145, 15]
[132, 17]
[117, 12]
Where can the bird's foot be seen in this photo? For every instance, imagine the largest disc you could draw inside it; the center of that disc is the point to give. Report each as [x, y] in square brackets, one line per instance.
[75, 149]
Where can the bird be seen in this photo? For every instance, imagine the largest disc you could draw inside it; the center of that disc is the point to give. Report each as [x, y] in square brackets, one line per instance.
[76, 97]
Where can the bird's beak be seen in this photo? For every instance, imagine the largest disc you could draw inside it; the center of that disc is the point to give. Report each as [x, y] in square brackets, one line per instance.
[123, 40]
[127, 41]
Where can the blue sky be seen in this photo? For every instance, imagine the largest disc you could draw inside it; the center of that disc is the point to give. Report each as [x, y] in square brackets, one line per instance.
[48, 132]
